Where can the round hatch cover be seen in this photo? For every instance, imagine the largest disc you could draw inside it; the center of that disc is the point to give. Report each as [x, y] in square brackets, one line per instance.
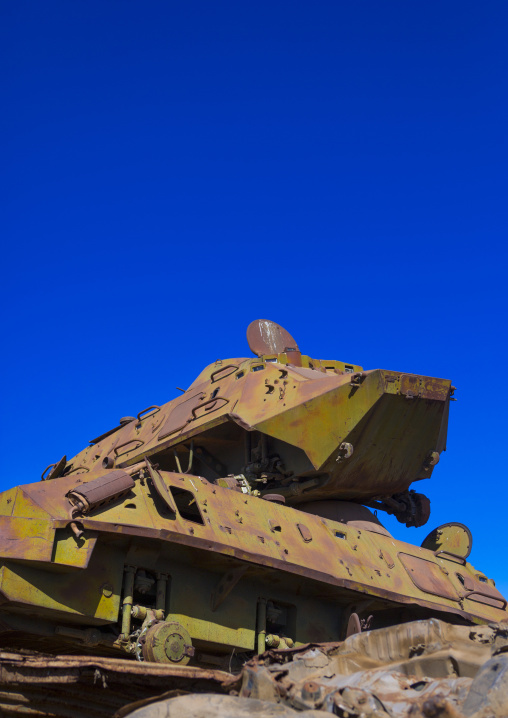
[266, 337]
[451, 538]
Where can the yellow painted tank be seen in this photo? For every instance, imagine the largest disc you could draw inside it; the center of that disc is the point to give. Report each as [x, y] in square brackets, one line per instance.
[235, 518]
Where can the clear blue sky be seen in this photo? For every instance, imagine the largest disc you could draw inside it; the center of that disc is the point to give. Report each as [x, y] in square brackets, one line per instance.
[173, 170]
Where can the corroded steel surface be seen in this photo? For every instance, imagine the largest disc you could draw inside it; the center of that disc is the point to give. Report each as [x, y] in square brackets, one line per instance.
[265, 337]
[228, 520]
[86, 687]
[303, 411]
[425, 669]
[231, 525]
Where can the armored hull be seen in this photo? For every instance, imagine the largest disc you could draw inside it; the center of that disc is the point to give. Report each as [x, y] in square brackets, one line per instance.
[228, 567]
[230, 520]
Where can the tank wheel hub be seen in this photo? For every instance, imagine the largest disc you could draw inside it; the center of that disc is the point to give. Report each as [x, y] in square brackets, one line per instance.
[167, 642]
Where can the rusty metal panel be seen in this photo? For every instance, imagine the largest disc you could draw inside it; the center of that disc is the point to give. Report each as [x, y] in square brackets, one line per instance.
[91, 687]
[410, 385]
[482, 592]
[266, 337]
[424, 387]
[180, 415]
[435, 389]
[64, 549]
[428, 577]
[28, 539]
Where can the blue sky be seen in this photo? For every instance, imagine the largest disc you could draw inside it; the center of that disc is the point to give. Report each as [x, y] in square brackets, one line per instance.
[172, 171]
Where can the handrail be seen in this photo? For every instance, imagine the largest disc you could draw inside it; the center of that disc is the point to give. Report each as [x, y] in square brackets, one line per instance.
[479, 592]
[205, 403]
[455, 555]
[234, 367]
[138, 416]
[43, 475]
[126, 443]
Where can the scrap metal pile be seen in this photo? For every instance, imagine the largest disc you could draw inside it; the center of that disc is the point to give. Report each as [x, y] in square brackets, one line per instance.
[423, 669]
[234, 519]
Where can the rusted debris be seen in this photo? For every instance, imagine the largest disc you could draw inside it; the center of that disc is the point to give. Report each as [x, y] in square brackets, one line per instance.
[90, 687]
[428, 669]
[421, 669]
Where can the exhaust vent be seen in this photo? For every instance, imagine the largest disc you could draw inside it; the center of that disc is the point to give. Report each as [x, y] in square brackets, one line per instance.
[101, 491]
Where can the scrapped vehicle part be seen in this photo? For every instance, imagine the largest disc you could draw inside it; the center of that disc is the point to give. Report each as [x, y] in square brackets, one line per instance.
[423, 669]
[92, 687]
[233, 519]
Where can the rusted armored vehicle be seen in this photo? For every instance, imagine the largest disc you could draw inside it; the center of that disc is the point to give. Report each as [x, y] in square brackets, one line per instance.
[235, 518]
